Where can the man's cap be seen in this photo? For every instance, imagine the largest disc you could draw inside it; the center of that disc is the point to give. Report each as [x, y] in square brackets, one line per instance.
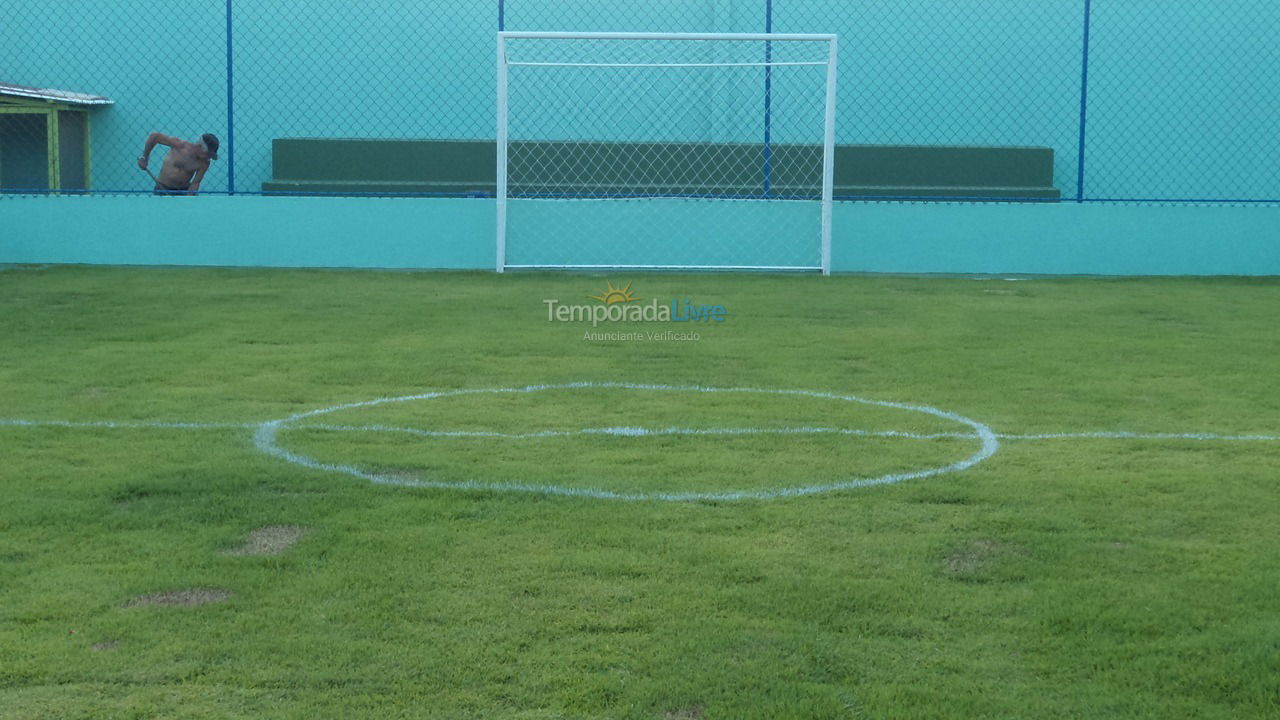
[211, 142]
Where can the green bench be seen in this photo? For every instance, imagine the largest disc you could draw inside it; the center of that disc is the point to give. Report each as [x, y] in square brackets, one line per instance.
[945, 172]
[381, 167]
[467, 168]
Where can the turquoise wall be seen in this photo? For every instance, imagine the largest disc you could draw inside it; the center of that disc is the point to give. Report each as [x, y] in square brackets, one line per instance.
[337, 68]
[1065, 238]
[1058, 239]
[1188, 107]
[248, 231]
[968, 72]
[159, 60]
[1181, 101]
[664, 232]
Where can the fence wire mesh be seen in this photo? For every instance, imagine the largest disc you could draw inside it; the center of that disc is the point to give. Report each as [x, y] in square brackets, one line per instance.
[654, 136]
[1140, 100]
[922, 72]
[1182, 102]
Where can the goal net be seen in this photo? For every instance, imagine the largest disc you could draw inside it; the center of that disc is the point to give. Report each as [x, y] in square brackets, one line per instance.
[682, 151]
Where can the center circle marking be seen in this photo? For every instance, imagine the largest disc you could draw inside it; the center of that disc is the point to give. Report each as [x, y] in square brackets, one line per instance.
[266, 439]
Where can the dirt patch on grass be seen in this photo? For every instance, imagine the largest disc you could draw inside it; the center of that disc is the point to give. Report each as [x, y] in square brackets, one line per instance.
[269, 540]
[977, 560]
[104, 646]
[182, 598]
[695, 712]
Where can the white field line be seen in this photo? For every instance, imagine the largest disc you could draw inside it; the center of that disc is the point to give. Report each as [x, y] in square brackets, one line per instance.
[266, 437]
[643, 432]
[127, 424]
[1125, 435]
[633, 432]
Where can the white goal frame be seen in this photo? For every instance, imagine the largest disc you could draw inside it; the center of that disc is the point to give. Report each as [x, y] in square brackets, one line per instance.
[828, 146]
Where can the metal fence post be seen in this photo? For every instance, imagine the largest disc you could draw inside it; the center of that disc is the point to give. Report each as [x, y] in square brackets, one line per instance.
[1084, 101]
[768, 100]
[231, 114]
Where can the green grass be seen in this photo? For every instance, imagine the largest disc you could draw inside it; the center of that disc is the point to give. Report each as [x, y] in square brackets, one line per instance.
[1065, 578]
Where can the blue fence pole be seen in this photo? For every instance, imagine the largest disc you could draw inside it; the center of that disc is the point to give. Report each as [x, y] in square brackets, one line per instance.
[502, 15]
[1084, 101]
[231, 114]
[768, 100]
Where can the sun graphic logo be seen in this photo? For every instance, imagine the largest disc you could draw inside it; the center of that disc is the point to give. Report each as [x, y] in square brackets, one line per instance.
[612, 295]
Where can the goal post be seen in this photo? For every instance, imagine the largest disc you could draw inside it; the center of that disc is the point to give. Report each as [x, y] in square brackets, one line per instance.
[665, 150]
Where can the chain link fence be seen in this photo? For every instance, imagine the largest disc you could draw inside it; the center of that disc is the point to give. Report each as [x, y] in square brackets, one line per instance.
[1140, 100]
[659, 139]
[1183, 101]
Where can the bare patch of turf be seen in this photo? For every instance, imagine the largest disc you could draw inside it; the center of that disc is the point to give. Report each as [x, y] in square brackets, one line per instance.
[269, 540]
[104, 646]
[182, 598]
[694, 712]
[974, 562]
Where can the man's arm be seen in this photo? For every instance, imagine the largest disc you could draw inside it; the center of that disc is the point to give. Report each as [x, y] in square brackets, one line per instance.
[195, 181]
[154, 139]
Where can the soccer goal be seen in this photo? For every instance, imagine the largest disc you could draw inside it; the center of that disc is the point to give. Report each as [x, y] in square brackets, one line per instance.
[665, 151]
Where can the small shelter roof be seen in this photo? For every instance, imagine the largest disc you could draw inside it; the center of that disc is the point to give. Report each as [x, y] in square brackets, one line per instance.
[61, 96]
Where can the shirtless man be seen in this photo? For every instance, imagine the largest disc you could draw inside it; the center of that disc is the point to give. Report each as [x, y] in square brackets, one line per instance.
[184, 165]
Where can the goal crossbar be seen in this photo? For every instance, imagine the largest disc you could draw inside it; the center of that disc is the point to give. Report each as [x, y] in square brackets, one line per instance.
[783, 37]
[668, 65]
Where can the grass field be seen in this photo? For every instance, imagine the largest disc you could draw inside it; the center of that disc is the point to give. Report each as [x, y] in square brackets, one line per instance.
[466, 555]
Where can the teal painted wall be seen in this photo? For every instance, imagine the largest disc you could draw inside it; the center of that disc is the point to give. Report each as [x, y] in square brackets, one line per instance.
[664, 232]
[159, 60]
[1066, 238]
[337, 68]
[1181, 102]
[1187, 108]
[1057, 239]
[248, 231]
[973, 72]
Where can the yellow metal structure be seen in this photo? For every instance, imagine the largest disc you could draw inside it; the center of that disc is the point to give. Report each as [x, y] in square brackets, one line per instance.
[49, 110]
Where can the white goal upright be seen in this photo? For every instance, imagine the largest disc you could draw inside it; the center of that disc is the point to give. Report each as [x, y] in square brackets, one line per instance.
[665, 150]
